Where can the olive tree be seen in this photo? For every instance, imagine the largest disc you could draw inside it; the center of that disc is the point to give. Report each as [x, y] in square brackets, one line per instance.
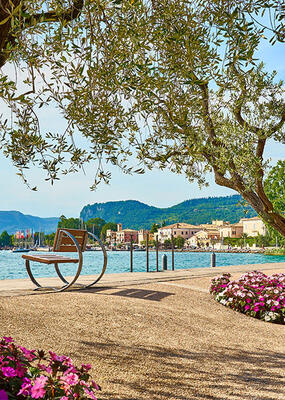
[175, 83]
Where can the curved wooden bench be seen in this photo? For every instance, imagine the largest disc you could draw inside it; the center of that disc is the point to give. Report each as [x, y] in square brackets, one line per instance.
[66, 240]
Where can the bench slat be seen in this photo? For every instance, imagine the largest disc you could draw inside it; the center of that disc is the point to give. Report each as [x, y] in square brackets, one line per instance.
[62, 240]
[49, 258]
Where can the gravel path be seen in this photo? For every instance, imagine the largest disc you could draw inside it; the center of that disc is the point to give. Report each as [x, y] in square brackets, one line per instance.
[158, 340]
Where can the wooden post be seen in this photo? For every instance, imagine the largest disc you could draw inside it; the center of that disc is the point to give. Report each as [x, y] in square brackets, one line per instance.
[156, 249]
[131, 254]
[172, 250]
[147, 254]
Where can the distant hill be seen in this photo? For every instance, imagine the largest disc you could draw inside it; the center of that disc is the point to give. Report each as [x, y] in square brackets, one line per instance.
[12, 221]
[137, 215]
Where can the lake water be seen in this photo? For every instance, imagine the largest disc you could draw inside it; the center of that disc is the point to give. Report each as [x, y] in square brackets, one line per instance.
[12, 266]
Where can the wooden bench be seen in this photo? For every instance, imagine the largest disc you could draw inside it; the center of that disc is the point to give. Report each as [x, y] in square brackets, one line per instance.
[66, 240]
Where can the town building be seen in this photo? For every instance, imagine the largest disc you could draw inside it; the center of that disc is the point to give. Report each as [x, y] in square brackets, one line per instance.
[142, 234]
[231, 231]
[253, 226]
[204, 238]
[121, 235]
[180, 229]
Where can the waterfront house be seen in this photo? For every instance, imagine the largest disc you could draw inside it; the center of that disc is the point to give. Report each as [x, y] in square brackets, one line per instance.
[180, 229]
[253, 226]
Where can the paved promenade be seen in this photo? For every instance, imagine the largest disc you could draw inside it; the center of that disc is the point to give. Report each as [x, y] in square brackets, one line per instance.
[153, 335]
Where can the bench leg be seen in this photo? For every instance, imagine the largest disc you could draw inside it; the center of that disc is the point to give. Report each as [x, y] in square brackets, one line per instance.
[31, 275]
[60, 274]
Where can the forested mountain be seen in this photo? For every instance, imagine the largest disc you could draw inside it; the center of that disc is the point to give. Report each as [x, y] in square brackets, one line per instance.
[137, 215]
[13, 221]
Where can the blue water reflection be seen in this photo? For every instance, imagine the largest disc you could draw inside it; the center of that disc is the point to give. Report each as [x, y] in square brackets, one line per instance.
[12, 266]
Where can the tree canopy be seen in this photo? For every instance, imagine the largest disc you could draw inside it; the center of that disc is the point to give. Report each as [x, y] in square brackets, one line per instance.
[275, 186]
[177, 83]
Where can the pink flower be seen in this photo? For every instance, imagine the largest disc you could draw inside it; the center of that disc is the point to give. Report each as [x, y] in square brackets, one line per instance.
[91, 394]
[247, 307]
[29, 354]
[55, 357]
[87, 367]
[8, 339]
[41, 380]
[25, 388]
[3, 395]
[38, 390]
[45, 368]
[20, 371]
[70, 379]
[95, 386]
[9, 372]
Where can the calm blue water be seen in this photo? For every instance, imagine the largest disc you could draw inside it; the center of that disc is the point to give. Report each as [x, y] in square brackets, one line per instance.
[12, 266]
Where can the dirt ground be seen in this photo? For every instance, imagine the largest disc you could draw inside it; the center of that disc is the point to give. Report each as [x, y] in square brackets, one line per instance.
[157, 340]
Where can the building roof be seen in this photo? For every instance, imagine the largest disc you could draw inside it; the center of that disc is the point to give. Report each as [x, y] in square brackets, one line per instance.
[251, 219]
[179, 225]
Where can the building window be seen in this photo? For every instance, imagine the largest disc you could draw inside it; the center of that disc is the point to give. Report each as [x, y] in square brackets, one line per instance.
[181, 233]
[174, 232]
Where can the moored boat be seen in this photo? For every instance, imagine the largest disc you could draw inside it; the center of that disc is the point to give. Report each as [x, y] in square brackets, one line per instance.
[20, 250]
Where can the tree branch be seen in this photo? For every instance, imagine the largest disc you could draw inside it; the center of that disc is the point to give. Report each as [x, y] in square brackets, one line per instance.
[8, 38]
[51, 16]
[240, 101]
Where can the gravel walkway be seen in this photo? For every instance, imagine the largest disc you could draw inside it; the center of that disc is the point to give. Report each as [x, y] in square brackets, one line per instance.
[158, 339]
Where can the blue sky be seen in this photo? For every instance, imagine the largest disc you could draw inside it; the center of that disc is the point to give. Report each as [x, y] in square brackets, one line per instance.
[157, 188]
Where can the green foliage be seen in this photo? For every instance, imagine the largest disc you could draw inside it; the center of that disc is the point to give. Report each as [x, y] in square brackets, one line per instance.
[274, 186]
[179, 242]
[259, 241]
[5, 239]
[70, 223]
[108, 225]
[49, 239]
[275, 252]
[154, 228]
[167, 244]
[175, 83]
[136, 215]
[95, 225]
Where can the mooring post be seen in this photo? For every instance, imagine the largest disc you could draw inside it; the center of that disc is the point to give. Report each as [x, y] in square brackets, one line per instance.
[156, 249]
[213, 260]
[147, 254]
[164, 262]
[131, 254]
[172, 250]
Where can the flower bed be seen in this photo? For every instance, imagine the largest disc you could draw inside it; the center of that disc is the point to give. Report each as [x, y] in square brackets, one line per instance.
[255, 294]
[30, 374]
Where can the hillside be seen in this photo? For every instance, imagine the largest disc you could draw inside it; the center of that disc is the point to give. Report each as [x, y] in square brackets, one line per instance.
[137, 215]
[12, 221]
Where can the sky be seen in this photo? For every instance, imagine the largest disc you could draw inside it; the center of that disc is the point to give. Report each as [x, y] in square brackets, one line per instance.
[157, 188]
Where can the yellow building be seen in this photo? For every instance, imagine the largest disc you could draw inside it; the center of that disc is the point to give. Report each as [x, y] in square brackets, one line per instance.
[253, 226]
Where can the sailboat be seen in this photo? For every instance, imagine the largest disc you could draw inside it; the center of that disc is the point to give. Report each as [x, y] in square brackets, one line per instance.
[20, 249]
